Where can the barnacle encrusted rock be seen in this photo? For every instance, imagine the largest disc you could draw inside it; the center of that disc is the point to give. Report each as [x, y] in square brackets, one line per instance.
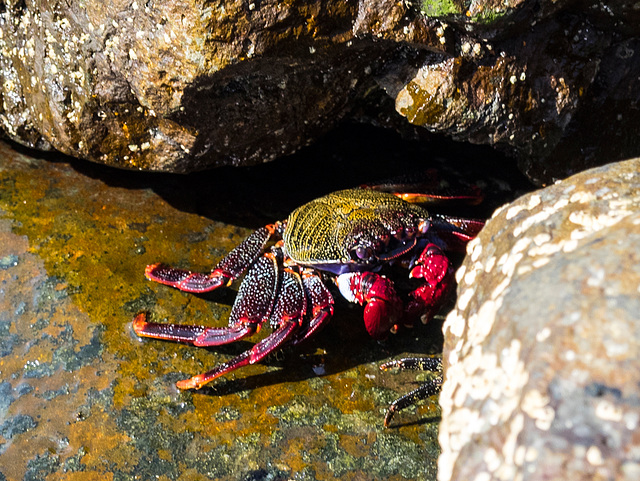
[181, 86]
[541, 352]
[527, 77]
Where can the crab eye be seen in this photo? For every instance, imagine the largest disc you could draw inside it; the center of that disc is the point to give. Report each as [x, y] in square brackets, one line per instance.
[423, 226]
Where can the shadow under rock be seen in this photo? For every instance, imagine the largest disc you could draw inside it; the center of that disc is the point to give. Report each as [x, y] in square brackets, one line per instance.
[351, 155]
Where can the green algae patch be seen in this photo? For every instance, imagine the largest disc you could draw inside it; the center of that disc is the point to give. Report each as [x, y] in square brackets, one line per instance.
[439, 8]
[82, 397]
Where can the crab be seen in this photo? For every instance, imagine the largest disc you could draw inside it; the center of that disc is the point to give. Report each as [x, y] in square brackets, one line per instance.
[427, 389]
[346, 237]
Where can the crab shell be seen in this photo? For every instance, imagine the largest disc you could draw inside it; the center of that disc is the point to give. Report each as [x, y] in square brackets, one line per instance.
[353, 230]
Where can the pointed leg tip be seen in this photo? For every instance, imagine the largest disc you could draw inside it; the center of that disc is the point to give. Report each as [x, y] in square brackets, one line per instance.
[139, 323]
[387, 366]
[387, 418]
[191, 383]
[148, 271]
[185, 384]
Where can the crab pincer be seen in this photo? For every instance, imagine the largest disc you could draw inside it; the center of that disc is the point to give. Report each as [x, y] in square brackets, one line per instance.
[383, 308]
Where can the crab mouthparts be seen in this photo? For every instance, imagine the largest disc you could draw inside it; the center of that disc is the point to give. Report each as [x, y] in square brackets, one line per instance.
[400, 250]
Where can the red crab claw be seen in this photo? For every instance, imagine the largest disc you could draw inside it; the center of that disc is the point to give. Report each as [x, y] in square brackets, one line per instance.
[426, 300]
[226, 271]
[383, 306]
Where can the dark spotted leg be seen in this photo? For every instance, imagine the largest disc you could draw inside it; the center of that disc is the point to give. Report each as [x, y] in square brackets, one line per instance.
[320, 306]
[428, 389]
[226, 271]
[287, 315]
[454, 233]
[253, 306]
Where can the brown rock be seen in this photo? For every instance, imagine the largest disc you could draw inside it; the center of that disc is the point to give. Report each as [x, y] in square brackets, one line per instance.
[528, 83]
[179, 86]
[183, 86]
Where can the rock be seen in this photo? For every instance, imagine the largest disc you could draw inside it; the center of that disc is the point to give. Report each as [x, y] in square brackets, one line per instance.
[187, 86]
[526, 77]
[541, 353]
[179, 86]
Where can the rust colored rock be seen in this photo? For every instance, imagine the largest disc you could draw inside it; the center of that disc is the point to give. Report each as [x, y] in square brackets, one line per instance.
[541, 352]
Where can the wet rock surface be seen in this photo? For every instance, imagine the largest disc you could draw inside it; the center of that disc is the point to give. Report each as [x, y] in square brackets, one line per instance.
[541, 353]
[185, 86]
[82, 396]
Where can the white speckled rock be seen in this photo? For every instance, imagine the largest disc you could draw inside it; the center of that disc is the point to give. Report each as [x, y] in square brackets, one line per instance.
[542, 351]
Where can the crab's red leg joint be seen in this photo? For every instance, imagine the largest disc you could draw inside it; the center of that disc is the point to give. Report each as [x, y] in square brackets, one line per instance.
[383, 306]
[228, 269]
[433, 267]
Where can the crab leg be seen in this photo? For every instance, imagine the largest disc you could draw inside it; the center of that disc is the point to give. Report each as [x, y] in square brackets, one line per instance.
[252, 307]
[321, 302]
[426, 390]
[196, 335]
[287, 315]
[226, 271]
[428, 187]
[253, 355]
[453, 233]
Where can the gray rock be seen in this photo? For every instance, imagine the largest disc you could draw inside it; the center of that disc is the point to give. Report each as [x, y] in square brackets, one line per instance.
[541, 352]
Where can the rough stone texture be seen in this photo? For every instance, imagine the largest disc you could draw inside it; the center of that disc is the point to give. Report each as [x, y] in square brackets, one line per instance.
[541, 352]
[181, 86]
[526, 76]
